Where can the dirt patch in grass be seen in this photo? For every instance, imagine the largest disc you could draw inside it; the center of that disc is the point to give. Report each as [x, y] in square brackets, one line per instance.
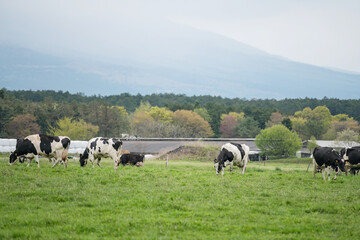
[197, 152]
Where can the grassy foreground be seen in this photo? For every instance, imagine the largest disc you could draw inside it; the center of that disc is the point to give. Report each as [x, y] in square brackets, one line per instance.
[186, 200]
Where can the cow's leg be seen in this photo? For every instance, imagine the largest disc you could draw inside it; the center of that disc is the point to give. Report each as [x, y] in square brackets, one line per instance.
[115, 163]
[29, 161]
[92, 159]
[323, 173]
[244, 167]
[328, 173]
[37, 160]
[65, 162]
[315, 168]
[231, 166]
[336, 173]
[98, 161]
[55, 163]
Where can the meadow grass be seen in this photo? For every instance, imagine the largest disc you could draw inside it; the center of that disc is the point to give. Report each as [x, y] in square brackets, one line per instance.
[186, 200]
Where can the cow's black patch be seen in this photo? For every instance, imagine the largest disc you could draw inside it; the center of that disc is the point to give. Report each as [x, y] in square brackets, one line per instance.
[93, 144]
[240, 149]
[105, 140]
[65, 142]
[45, 142]
[117, 144]
[99, 150]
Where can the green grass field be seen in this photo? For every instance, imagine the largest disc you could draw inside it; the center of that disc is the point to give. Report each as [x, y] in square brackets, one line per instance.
[186, 200]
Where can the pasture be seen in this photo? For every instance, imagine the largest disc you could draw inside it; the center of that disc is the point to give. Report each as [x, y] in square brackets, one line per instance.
[186, 200]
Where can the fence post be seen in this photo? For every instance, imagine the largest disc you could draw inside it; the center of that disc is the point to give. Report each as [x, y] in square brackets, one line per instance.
[167, 159]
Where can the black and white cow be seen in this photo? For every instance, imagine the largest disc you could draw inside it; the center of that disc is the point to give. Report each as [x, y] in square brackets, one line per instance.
[232, 153]
[101, 147]
[132, 159]
[351, 156]
[327, 159]
[44, 145]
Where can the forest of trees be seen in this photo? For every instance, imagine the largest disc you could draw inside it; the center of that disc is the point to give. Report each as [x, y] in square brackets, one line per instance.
[168, 115]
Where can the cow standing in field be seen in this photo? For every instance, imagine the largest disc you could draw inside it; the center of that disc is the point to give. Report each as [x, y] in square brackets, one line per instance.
[327, 159]
[44, 145]
[351, 156]
[101, 147]
[232, 153]
[132, 159]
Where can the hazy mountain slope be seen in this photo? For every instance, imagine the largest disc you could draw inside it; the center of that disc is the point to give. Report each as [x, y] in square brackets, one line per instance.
[206, 63]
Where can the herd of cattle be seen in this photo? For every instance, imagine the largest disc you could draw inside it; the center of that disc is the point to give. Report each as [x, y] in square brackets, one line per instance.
[325, 159]
[57, 147]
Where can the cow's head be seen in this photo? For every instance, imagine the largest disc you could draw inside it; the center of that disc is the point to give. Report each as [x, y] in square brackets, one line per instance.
[12, 158]
[82, 160]
[223, 156]
[339, 161]
[139, 164]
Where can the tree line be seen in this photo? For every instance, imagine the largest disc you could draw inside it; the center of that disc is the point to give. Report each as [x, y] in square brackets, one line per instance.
[171, 115]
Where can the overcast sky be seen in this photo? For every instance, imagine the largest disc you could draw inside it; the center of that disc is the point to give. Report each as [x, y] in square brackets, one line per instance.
[320, 32]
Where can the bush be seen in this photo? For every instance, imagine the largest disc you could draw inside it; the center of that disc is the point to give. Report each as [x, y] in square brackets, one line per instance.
[278, 141]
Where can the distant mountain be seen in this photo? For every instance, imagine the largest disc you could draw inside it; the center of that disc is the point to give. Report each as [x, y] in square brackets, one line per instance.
[205, 64]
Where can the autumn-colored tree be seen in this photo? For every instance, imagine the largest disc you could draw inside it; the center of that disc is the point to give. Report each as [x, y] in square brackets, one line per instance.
[143, 125]
[275, 119]
[192, 124]
[21, 126]
[76, 130]
[227, 127]
[235, 115]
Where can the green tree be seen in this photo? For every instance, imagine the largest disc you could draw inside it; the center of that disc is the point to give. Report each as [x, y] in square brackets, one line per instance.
[215, 110]
[203, 113]
[76, 130]
[278, 141]
[247, 127]
[316, 122]
[287, 123]
[160, 114]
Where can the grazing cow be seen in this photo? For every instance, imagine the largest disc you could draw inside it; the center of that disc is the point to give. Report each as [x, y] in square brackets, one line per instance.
[132, 159]
[327, 159]
[232, 153]
[351, 156]
[101, 147]
[44, 145]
